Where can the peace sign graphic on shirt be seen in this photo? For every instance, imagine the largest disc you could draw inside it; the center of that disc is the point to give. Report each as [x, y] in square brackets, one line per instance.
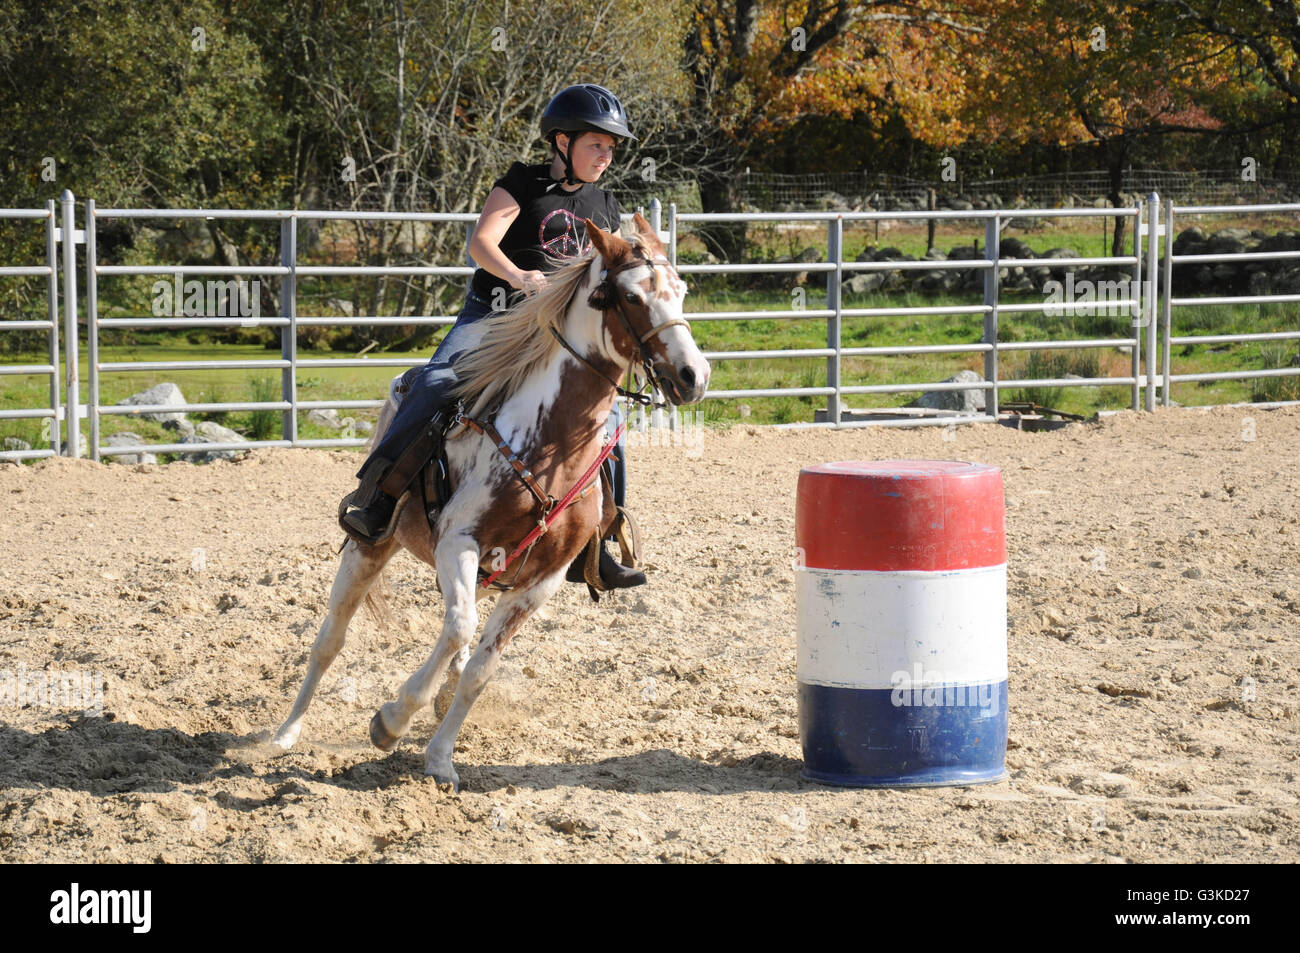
[561, 234]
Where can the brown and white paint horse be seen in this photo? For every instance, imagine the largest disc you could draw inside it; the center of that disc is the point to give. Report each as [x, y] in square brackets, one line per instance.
[551, 410]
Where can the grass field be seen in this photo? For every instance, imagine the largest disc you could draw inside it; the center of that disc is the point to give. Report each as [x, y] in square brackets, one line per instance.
[723, 293]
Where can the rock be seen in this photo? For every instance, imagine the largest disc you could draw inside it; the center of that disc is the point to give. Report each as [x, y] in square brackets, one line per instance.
[14, 444]
[164, 393]
[1221, 244]
[127, 439]
[964, 400]
[210, 432]
[184, 426]
[1193, 573]
[1057, 254]
[865, 283]
[744, 410]
[328, 417]
[1190, 236]
[1015, 248]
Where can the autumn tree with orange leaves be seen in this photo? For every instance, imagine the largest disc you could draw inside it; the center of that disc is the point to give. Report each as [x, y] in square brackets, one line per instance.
[756, 68]
[1076, 72]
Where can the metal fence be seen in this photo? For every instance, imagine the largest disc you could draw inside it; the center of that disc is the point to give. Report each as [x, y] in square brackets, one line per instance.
[1172, 213]
[1147, 373]
[53, 412]
[862, 191]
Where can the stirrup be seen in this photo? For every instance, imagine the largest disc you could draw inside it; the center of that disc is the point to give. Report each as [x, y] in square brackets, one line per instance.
[383, 535]
[625, 530]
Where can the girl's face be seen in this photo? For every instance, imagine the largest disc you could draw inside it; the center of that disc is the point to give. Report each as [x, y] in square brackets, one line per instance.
[591, 155]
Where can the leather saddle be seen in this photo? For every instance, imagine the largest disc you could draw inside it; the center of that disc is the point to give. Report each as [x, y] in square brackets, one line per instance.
[432, 482]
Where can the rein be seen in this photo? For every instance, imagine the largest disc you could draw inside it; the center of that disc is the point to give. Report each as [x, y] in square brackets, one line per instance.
[551, 513]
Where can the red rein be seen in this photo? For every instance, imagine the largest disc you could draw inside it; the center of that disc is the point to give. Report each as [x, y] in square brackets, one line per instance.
[545, 523]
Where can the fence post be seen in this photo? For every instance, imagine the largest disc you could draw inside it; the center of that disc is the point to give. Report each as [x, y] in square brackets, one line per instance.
[1149, 309]
[92, 332]
[1139, 307]
[672, 233]
[289, 332]
[993, 252]
[73, 403]
[52, 312]
[1167, 306]
[656, 215]
[835, 254]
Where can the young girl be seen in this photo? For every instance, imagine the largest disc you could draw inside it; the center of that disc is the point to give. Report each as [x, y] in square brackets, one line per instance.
[531, 213]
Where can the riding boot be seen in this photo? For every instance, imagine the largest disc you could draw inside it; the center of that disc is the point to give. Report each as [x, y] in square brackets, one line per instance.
[369, 513]
[601, 571]
[372, 521]
[613, 574]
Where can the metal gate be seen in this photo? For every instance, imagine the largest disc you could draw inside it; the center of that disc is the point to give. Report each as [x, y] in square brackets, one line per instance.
[1150, 306]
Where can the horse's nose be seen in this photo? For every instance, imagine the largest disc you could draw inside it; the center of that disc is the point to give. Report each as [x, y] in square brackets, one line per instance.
[687, 375]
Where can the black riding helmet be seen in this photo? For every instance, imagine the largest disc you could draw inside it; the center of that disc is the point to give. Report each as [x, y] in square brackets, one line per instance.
[583, 108]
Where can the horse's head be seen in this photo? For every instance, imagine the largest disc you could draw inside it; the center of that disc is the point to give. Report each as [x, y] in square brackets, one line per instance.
[641, 295]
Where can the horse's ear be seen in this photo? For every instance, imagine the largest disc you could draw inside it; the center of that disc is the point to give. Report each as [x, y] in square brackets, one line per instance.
[648, 233]
[608, 246]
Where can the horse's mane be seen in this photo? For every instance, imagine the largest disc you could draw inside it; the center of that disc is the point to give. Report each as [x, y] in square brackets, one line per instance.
[517, 340]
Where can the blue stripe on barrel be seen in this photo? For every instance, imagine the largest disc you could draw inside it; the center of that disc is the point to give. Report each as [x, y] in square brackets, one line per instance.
[901, 595]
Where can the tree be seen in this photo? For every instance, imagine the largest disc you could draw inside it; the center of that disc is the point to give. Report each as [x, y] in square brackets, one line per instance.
[1085, 71]
[757, 68]
[422, 104]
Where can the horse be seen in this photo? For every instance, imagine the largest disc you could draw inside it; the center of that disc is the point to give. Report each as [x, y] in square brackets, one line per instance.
[547, 370]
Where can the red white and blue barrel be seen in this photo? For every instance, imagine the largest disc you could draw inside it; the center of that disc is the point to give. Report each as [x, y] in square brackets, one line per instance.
[901, 588]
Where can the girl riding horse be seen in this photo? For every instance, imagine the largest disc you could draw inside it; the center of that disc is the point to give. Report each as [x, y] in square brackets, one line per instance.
[533, 217]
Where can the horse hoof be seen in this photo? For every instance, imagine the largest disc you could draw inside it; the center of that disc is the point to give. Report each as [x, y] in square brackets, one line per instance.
[380, 736]
[285, 738]
[444, 776]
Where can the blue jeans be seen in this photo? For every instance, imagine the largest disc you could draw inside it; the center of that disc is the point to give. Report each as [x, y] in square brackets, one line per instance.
[431, 386]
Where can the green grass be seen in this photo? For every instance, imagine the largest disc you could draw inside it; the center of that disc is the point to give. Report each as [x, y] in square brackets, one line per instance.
[215, 386]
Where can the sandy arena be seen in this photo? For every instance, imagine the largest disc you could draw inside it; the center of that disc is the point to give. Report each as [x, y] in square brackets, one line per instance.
[1154, 592]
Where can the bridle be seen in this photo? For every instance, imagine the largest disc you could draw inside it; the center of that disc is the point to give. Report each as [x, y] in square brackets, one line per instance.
[639, 340]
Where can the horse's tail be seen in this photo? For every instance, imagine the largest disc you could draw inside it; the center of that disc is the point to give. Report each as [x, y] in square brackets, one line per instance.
[377, 596]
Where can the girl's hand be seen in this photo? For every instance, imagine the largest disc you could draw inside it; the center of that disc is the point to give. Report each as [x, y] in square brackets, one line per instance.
[531, 282]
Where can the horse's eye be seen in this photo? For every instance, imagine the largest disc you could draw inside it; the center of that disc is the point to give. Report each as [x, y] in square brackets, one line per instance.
[631, 297]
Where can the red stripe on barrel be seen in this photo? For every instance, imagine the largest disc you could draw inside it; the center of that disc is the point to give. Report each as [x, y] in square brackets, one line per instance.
[892, 515]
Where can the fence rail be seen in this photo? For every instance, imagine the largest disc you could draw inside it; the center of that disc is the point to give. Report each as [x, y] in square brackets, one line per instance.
[1150, 364]
[860, 191]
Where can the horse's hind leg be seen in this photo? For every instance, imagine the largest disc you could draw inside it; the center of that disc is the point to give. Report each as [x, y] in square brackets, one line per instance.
[510, 613]
[457, 558]
[358, 569]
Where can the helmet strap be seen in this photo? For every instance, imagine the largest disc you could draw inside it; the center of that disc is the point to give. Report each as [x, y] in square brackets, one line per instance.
[570, 177]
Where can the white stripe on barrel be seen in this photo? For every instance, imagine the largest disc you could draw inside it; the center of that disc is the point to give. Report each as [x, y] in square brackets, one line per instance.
[901, 595]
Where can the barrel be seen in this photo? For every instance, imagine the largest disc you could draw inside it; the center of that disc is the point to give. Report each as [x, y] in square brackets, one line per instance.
[901, 588]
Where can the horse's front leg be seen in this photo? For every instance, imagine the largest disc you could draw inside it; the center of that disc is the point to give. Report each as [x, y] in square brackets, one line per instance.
[358, 569]
[511, 611]
[457, 559]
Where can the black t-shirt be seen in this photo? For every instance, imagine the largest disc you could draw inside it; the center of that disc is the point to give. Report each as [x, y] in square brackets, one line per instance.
[550, 221]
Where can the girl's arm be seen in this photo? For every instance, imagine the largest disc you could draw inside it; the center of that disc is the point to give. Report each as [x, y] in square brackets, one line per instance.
[499, 211]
